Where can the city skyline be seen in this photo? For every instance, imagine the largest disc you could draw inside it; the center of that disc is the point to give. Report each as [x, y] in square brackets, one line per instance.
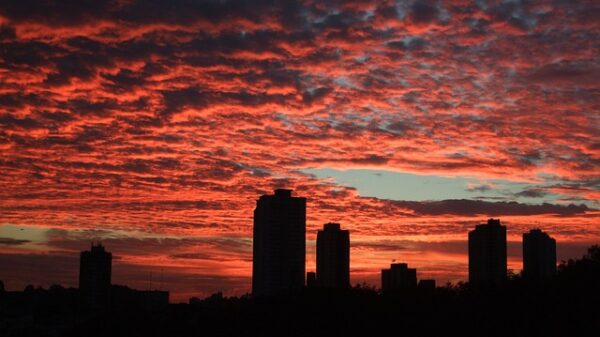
[520, 302]
[279, 258]
[146, 282]
[153, 127]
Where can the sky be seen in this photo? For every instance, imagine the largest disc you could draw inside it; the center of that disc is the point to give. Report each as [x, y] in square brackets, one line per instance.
[154, 126]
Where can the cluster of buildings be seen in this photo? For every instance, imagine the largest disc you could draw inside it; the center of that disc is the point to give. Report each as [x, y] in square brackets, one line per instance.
[279, 248]
[399, 277]
[98, 294]
[487, 254]
[279, 252]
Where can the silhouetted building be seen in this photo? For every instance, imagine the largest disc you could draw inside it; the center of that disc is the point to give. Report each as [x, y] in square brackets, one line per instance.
[487, 254]
[333, 257]
[398, 277]
[94, 277]
[311, 279]
[539, 255]
[427, 284]
[279, 245]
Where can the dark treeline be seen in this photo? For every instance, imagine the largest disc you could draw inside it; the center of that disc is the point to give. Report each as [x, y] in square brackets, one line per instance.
[566, 305]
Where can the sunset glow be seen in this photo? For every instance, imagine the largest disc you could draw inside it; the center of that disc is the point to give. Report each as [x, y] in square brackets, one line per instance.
[154, 126]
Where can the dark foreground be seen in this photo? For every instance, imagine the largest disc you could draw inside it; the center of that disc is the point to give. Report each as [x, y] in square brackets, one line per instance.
[568, 305]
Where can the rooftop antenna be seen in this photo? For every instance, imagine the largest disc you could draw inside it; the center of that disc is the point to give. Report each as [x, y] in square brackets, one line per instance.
[150, 285]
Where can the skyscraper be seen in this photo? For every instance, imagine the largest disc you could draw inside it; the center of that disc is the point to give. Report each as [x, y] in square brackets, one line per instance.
[539, 255]
[398, 277]
[94, 277]
[333, 257]
[279, 245]
[487, 254]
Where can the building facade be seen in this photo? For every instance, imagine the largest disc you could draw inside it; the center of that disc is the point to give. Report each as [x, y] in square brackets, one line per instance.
[539, 255]
[398, 277]
[487, 254]
[333, 257]
[95, 268]
[279, 244]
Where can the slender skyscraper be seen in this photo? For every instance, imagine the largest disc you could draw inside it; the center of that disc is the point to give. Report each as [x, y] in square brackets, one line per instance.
[487, 254]
[94, 277]
[279, 245]
[539, 255]
[333, 257]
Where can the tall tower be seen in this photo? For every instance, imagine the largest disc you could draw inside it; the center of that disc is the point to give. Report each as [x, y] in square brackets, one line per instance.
[94, 277]
[279, 245]
[333, 257]
[539, 255]
[487, 254]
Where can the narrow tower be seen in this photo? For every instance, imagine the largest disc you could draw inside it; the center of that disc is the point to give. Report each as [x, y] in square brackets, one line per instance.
[487, 254]
[333, 257]
[539, 255]
[94, 278]
[279, 245]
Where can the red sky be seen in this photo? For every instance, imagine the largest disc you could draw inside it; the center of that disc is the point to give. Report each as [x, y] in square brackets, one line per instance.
[154, 126]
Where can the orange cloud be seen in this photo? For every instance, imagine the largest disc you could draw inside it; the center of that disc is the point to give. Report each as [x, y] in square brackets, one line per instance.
[157, 122]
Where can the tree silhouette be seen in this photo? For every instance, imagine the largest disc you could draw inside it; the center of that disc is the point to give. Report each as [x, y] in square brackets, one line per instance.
[559, 307]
